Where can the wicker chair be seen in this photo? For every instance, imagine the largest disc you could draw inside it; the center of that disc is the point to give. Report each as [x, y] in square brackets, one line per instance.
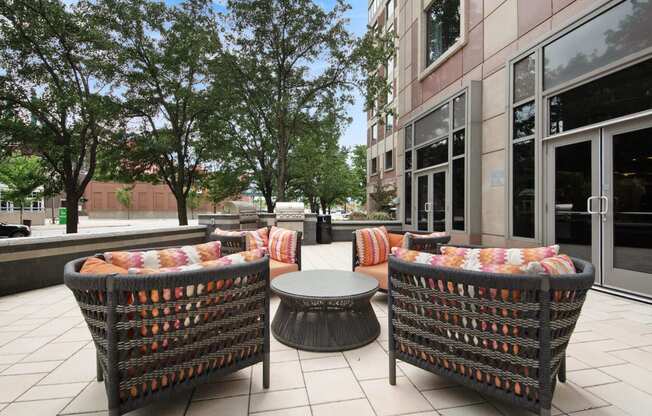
[502, 335]
[162, 334]
[236, 244]
[379, 271]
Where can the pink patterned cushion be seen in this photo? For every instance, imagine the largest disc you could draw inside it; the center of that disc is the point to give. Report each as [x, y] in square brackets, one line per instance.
[372, 245]
[169, 257]
[237, 258]
[455, 262]
[514, 256]
[283, 245]
[436, 234]
[554, 266]
[257, 239]
[229, 233]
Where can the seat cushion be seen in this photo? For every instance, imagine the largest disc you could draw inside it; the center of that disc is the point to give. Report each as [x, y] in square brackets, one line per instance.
[231, 259]
[277, 268]
[283, 245]
[257, 239]
[513, 256]
[372, 245]
[395, 240]
[93, 265]
[168, 257]
[436, 234]
[377, 271]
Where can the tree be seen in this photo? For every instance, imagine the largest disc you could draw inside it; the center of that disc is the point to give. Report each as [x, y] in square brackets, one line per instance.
[287, 58]
[125, 198]
[54, 73]
[383, 195]
[359, 173]
[223, 184]
[194, 201]
[166, 55]
[23, 176]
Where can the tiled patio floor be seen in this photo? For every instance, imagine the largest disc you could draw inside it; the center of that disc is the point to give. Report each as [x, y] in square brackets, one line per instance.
[47, 367]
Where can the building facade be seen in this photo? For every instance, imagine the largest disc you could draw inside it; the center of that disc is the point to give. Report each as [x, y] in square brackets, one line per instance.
[524, 123]
[10, 212]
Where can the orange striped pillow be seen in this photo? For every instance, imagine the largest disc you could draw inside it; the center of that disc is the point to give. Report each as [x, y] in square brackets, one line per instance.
[372, 245]
[283, 245]
[257, 239]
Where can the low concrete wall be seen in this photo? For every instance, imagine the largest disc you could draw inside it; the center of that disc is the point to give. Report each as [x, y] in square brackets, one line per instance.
[36, 262]
[342, 230]
[38, 218]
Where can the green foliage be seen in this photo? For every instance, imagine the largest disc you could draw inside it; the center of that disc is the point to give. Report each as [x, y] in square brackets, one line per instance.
[125, 198]
[383, 195]
[359, 172]
[379, 216]
[54, 74]
[358, 216]
[224, 184]
[22, 175]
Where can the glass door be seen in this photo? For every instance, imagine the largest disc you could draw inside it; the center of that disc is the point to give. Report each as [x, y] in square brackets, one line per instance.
[438, 181]
[627, 207]
[423, 203]
[573, 196]
[431, 202]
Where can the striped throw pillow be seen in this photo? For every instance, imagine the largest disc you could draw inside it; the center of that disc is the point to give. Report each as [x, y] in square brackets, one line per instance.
[476, 257]
[372, 245]
[169, 257]
[283, 245]
[237, 258]
[436, 234]
[229, 233]
[257, 239]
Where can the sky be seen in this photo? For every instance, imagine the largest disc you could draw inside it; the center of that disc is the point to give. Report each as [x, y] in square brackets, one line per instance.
[356, 132]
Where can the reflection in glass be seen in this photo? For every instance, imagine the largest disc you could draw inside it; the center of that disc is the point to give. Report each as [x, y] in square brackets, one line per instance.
[632, 200]
[432, 154]
[422, 199]
[442, 29]
[458, 143]
[625, 92]
[408, 198]
[524, 78]
[524, 120]
[458, 194]
[572, 189]
[523, 189]
[408, 137]
[459, 111]
[617, 33]
[439, 201]
[408, 160]
[432, 126]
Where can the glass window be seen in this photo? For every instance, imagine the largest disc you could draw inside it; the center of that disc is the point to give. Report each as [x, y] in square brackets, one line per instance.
[524, 120]
[524, 78]
[458, 194]
[459, 111]
[617, 33]
[389, 12]
[389, 123]
[442, 28]
[374, 166]
[523, 188]
[432, 126]
[389, 159]
[624, 92]
[433, 154]
[408, 137]
[374, 132]
[458, 143]
[408, 198]
[408, 160]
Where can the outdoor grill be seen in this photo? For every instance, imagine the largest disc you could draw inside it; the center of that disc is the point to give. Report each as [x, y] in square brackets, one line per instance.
[290, 215]
[246, 211]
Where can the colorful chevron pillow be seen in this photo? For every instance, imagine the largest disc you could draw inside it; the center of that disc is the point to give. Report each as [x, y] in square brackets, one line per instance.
[454, 262]
[372, 245]
[231, 259]
[436, 234]
[169, 257]
[283, 245]
[229, 233]
[476, 257]
[257, 239]
[554, 266]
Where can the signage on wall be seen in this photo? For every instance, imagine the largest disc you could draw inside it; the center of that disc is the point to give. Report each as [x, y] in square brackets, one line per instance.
[497, 178]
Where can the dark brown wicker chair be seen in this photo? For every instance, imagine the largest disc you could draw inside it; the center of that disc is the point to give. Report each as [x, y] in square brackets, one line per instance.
[158, 335]
[379, 271]
[502, 335]
[236, 244]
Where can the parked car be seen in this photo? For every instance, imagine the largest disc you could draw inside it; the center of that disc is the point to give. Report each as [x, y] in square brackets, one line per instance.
[14, 230]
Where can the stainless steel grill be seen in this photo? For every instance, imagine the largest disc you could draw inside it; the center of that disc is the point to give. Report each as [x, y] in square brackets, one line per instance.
[290, 215]
[246, 211]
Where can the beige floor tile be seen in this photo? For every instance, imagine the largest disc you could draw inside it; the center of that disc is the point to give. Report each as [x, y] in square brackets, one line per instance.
[570, 398]
[332, 385]
[348, 408]
[222, 389]
[275, 345]
[54, 391]
[283, 356]
[637, 357]
[452, 397]
[473, 410]
[11, 358]
[78, 368]
[297, 411]
[326, 363]
[283, 376]
[630, 399]
[393, 400]
[238, 375]
[74, 334]
[31, 368]
[24, 345]
[309, 355]
[11, 387]
[91, 399]
[422, 379]
[174, 406]
[53, 352]
[41, 408]
[592, 353]
[369, 362]
[590, 377]
[573, 364]
[602, 411]
[275, 400]
[631, 374]
[232, 406]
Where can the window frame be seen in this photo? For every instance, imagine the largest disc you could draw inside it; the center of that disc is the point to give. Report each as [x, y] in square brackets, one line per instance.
[373, 166]
[391, 158]
[424, 68]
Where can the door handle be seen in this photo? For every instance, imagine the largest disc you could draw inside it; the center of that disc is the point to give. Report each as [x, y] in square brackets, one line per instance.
[604, 212]
[426, 207]
[588, 204]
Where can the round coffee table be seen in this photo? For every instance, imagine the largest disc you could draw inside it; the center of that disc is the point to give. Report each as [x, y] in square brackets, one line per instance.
[325, 310]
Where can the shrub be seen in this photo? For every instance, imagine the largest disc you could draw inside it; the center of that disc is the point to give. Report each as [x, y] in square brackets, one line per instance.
[379, 216]
[357, 216]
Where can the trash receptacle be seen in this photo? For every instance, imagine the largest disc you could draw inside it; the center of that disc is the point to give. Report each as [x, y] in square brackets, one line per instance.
[27, 223]
[63, 215]
[324, 229]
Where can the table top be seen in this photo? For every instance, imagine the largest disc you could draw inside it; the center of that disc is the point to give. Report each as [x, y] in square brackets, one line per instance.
[324, 284]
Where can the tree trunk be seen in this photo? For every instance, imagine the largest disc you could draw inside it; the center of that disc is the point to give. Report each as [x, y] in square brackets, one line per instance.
[269, 202]
[72, 216]
[182, 210]
[21, 213]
